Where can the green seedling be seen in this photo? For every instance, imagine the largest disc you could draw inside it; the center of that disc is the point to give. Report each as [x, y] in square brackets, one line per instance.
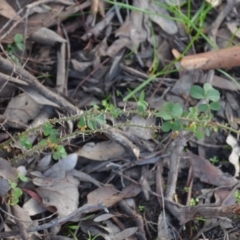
[193, 201]
[15, 191]
[25, 142]
[141, 103]
[13, 47]
[110, 108]
[141, 208]
[214, 160]
[177, 119]
[186, 189]
[70, 229]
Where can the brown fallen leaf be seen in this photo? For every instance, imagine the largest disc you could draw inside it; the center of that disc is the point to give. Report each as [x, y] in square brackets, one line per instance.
[208, 173]
[7, 11]
[109, 195]
[222, 58]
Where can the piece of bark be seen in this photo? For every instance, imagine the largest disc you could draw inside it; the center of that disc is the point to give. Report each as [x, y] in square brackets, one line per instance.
[222, 58]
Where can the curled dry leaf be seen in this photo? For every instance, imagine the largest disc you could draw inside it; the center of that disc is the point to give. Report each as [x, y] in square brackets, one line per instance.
[101, 151]
[62, 195]
[126, 233]
[162, 18]
[37, 97]
[109, 195]
[208, 173]
[46, 36]
[7, 11]
[22, 108]
[104, 217]
[58, 187]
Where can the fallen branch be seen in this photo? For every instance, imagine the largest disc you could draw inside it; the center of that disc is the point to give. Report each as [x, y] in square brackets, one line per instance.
[222, 58]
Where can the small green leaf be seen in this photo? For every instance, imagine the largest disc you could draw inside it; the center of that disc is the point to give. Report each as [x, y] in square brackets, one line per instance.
[47, 129]
[164, 115]
[193, 113]
[12, 184]
[116, 112]
[81, 122]
[18, 38]
[20, 46]
[142, 96]
[207, 87]
[25, 142]
[72, 227]
[56, 155]
[215, 106]
[17, 192]
[22, 177]
[202, 107]
[53, 138]
[213, 95]
[185, 114]
[104, 103]
[176, 125]
[60, 153]
[166, 127]
[207, 131]
[43, 142]
[92, 124]
[166, 111]
[177, 110]
[197, 92]
[100, 119]
[142, 106]
[198, 135]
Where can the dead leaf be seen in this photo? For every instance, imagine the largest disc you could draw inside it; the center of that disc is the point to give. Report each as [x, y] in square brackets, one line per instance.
[161, 17]
[22, 108]
[108, 195]
[101, 151]
[63, 195]
[234, 28]
[7, 171]
[58, 188]
[125, 233]
[103, 217]
[7, 11]
[208, 173]
[47, 37]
